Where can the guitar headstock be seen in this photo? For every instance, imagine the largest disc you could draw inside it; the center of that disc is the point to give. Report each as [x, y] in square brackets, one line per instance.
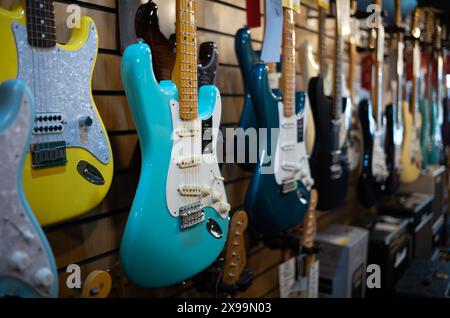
[235, 259]
[310, 222]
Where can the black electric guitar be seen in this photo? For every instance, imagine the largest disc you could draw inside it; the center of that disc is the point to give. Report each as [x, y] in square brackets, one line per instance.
[328, 162]
[394, 127]
[164, 49]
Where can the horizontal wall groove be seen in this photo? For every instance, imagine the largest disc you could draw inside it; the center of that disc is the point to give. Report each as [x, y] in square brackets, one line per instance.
[90, 5]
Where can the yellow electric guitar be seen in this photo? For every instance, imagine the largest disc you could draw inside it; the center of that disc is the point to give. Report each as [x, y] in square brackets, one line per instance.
[411, 151]
[69, 166]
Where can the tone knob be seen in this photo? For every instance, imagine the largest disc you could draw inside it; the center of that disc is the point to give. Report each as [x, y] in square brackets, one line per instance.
[216, 196]
[43, 277]
[19, 260]
[86, 121]
[224, 208]
[205, 190]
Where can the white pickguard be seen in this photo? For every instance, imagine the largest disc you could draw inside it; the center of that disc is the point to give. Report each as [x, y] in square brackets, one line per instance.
[207, 173]
[346, 120]
[291, 152]
[379, 168]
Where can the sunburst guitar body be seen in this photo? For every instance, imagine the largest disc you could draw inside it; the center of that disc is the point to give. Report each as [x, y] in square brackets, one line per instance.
[69, 166]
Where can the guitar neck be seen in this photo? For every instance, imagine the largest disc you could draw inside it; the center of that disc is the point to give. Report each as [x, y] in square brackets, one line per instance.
[288, 83]
[398, 96]
[185, 70]
[337, 84]
[41, 23]
[309, 230]
[322, 40]
[415, 31]
[377, 97]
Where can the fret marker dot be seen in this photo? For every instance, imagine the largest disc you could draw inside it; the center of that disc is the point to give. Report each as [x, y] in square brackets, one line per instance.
[43, 36]
[41, 6]
[42, 22]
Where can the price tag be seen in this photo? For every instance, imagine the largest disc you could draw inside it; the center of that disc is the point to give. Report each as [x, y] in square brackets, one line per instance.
[292, 4]
[400, 50]
[274, 28]
[380, 44]
[286, 276]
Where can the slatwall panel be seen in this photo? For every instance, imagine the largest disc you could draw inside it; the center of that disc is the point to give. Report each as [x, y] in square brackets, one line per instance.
[93, 240]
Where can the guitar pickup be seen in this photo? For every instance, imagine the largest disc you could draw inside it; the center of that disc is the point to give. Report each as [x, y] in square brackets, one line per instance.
[190, 215]
[190, 190]
[187, 132]
[189, 162]
[48, 154]
[289, 187]
[288, 147]
[48, 123]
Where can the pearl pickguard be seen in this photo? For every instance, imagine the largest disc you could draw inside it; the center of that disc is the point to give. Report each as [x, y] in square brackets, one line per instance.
[206, 173]
[60, 82]
[290, 151]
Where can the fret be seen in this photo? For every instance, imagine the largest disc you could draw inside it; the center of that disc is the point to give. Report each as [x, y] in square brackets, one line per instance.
[288, 62]
[322, 41]
[185, 70]
[337, 100]
[41, 25]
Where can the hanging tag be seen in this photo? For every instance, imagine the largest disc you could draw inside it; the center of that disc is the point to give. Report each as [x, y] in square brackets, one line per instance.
[400, 65]
[253, 13]
[380, 44]
[274, 28]
[286, 276]
[313, 281]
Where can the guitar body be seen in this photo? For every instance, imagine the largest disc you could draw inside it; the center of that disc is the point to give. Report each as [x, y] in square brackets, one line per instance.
[247, 58]
[332, 191]
[445, 128]
[155, 251]
[393, 148]
[60, 79]
[370, 188]
[411, 153]
[270, 208]
[27, 267]
[424, 132]
[164, 50]
[435, 145]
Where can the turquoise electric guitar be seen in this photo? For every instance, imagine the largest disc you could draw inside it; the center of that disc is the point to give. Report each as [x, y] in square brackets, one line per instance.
[27, 265]
[279, 193]
[178, 222]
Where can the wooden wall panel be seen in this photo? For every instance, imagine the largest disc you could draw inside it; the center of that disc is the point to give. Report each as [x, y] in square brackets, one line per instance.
[93, 240]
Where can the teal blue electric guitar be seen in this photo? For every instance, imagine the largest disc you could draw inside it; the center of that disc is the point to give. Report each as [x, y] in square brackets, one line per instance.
[279, 194]
[178, 222]
[27, 265]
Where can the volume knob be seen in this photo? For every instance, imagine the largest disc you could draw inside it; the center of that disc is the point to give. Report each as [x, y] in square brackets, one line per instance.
[216, 196]
[224, 208]
[19, 260]
[205, 190]
[43, 277]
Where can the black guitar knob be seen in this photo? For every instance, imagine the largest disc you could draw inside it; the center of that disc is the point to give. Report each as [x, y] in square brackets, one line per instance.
[86, 121]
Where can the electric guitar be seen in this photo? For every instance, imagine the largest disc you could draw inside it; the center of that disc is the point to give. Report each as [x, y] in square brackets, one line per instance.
[27, 266]
[247, 58]
[445, 128]
[309, 233]
[394, 125]
[278, 195]
[69, 167]
[178, 222]
[329, 164]
[164, 49]
[371, 183]
[411, 151]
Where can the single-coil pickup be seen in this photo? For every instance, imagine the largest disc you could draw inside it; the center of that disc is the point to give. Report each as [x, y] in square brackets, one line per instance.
[287, 147]
[289, 187]
[48, 123]
[187, 132]
[190, 190]
[188, 162]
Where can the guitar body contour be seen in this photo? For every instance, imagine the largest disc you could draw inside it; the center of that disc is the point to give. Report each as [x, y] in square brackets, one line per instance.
[424, 132]
[61, 85]
[332, 191]
[435, 146]
[27, 267]
[155, 251]
[247, 58]
[369, 190]
[270, 210]
[445, 128]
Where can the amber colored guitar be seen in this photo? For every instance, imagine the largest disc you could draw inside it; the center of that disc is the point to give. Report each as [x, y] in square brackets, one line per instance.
[309, 232]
